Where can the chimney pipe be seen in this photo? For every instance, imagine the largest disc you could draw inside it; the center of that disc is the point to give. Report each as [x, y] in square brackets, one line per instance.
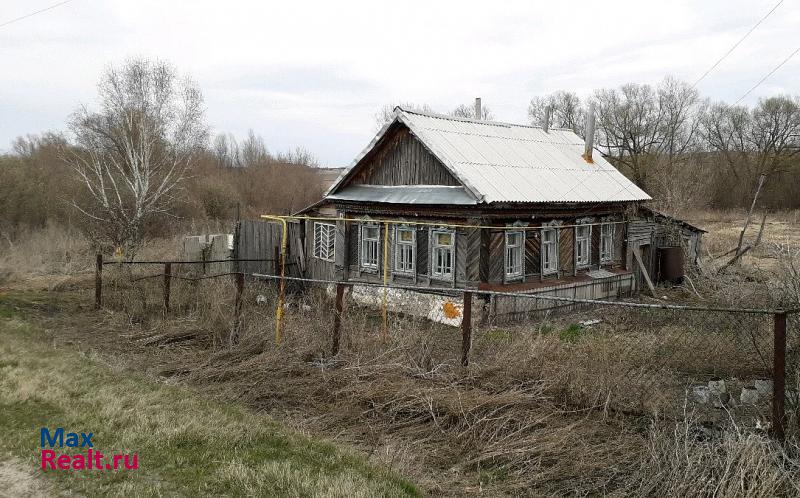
[589, 135]
[546, 119]
[478, 114]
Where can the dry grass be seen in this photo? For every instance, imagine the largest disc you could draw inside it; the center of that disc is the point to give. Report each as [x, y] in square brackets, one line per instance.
[542, 410]
[187, 444]
[679, 462]
[545, 409]
[55, 251]
[724, 227]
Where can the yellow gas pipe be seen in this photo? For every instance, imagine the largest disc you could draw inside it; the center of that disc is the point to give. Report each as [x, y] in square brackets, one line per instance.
[282, 288]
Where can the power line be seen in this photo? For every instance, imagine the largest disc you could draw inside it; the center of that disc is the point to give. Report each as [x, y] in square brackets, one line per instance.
[762, 80]
[736, 44]
[34, 13]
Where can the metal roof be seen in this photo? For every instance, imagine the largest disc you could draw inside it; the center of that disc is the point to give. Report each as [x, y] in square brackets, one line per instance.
[659, 214]
[406, 194]
[503, 162]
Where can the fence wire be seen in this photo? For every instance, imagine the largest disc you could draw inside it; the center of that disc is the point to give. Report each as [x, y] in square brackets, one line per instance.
[714, 365]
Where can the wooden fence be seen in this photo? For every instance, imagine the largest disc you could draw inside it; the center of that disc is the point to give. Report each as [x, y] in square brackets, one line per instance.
[261, 240]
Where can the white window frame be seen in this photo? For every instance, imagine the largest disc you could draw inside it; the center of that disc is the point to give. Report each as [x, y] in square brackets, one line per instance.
[403, 245]
[515, 251]
[583, 260]
[436, 248]
[607, 236]
[325, 241]
[374, 242]
[548, 268]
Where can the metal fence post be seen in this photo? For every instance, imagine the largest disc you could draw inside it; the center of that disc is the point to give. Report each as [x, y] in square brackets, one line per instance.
[98, 282]
[337, 319]
[466, 328]
[167, 285]
[779, 377]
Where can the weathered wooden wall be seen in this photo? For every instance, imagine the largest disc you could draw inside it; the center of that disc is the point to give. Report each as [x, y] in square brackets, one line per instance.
[403, 160]
[255, 239]
[316, 267]
[566, 252]
[422, 255]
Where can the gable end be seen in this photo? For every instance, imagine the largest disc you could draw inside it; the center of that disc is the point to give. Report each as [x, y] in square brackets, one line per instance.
[400, 159]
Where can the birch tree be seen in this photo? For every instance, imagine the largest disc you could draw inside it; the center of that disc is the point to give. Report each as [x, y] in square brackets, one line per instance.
[134, 152]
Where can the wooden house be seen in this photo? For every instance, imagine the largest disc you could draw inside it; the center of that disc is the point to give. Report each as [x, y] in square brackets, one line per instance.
[436, 201]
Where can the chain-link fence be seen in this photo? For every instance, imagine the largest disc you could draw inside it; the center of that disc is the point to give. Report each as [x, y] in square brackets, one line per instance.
[715, 365]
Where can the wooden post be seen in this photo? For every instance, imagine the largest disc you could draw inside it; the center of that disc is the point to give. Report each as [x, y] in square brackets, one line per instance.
[466, 328]
[337, 319]
[167, 285]
[779, 377]
[98, 282]
[237, 306]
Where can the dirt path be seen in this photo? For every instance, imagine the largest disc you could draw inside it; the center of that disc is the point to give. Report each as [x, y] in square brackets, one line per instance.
[16, 480]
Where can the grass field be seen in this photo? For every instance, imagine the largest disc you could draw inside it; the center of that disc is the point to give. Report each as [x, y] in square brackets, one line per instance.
[187, 444]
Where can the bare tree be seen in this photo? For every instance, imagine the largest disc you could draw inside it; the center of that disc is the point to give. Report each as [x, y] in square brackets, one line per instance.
[385, 114]
[468, 112]
[253, 151]
[133, 153]
[226, 151]
[300, 157]
[644, 128]
[764, 140]
[567, 110]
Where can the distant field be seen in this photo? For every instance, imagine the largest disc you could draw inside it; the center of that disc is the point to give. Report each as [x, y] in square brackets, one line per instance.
[724, 228]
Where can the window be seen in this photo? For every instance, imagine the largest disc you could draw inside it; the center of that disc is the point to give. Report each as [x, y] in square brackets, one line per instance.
[405, 241]
[549, 251]
[583, 241]
[370, 242]
[324, 241]
[442, 254]
[515, 252]
[606, 243]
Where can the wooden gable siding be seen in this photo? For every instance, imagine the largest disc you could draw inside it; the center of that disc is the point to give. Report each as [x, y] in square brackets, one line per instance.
[402, 160]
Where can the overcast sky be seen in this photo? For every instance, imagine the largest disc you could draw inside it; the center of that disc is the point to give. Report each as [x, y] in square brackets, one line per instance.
[313, 74]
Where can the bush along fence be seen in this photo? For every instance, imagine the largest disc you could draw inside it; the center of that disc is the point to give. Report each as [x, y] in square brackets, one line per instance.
[667, 361]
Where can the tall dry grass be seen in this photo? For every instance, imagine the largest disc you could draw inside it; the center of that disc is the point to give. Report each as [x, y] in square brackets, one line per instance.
[541, 409]
[55, 250]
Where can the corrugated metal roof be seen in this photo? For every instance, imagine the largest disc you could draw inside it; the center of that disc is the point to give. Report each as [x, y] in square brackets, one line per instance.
[502, 162]
[406, 194]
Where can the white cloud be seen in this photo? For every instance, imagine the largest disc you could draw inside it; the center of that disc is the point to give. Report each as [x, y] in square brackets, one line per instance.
[313, 73]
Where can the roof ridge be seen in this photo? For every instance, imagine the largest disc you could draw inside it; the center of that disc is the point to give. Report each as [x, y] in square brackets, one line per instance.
[476, 121]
